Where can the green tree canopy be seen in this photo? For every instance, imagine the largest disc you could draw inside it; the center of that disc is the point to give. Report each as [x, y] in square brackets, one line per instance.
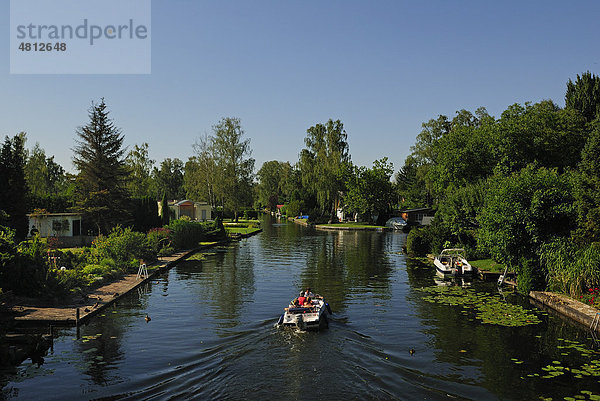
[200, 172]
[273, 183]
[370, 191]
[542, 133]
[583, 95]
[235, 167]
[324, 163]
[102, 178]
[521, 212]
[587, 190]
[44, 176]
[139, 164]
[14, 186]
[169, 178]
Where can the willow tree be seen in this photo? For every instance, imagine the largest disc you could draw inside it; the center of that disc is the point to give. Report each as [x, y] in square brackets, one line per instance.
[324, 163]
[102, 173]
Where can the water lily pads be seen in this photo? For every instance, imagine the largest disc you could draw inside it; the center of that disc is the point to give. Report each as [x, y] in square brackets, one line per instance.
[488, 309]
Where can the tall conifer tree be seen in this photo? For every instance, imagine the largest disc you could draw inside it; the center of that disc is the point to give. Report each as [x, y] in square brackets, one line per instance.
[13, 184]
[101, 182]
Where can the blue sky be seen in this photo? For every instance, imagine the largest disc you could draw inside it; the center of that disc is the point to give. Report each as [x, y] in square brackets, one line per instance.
[382, 67]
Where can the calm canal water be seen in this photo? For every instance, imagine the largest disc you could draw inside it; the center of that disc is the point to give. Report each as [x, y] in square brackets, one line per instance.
[212, 334]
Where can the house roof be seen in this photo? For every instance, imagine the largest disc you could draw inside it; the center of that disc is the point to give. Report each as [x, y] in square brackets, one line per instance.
[419, 209]
[183, 202]
[187, 202]
[52, 214]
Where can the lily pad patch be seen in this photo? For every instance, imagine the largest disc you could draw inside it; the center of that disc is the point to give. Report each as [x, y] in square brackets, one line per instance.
[488, 309]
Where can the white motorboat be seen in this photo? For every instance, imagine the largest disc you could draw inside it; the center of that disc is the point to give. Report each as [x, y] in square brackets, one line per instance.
[311, 316]
[396, 223]
[451, 262]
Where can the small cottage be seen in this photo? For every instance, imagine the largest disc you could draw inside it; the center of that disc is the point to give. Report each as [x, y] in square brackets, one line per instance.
[422, 216]
[200, 211]
[55, 224]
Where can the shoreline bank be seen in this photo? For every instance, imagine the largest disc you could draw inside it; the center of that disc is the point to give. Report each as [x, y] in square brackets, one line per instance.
[32, 313]
[566, 306]
[334, 227]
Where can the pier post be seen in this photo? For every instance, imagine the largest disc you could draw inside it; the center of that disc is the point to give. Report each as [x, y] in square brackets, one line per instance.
[52, 338]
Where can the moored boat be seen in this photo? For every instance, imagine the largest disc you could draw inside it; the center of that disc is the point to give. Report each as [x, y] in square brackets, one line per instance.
[451, 262]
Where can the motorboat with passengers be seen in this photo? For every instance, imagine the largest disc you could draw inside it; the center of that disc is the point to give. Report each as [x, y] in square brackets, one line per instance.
[451, 262]
[307, 312]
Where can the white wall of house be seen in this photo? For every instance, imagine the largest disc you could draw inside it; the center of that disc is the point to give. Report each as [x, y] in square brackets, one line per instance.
[55, 224]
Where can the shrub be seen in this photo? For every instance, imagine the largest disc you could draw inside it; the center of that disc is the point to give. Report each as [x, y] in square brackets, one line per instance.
[121, 245]
[166, 251]
[24, 268]
[71, 259]
[70, 279]
[530, 276]
[187, 234]
[571, 269]
[35, 248]
[93, 269]
[418, 242]
[159, 239]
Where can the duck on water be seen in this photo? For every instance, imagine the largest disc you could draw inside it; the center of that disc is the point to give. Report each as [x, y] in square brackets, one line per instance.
[307, 312]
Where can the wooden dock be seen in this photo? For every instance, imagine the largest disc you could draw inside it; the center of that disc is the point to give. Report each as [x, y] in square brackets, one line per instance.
[485, 275]
[31, 312]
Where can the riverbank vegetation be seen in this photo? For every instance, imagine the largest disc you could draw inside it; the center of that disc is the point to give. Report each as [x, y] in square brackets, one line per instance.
[520, 190]
[37, 268]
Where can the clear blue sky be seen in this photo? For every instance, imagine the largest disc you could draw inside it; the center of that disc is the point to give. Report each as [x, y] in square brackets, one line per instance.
[382, 67]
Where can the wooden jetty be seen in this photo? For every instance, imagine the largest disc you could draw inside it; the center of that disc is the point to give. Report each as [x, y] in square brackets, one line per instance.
[30, 312]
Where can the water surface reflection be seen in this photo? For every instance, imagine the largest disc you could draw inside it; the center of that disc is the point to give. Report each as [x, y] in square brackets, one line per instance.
[213, 335]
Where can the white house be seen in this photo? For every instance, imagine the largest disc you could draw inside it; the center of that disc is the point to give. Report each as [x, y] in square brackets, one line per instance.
[55, 224]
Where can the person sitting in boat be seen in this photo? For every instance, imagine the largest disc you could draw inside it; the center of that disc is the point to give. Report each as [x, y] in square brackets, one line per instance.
[307, 301]
[307, 293]
[301, 300]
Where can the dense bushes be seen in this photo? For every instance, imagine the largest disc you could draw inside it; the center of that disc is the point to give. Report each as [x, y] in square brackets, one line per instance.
[571, 269]
[123, 246]
[185, 234]
[27, 270]
[160, 241]
[418, 242]
[522, 211]
[109, 257]
[23, 269]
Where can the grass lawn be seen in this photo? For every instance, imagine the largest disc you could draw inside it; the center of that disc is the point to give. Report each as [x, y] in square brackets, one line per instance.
[74, 250]
[350, 224]
[241, 221]
[207, 242]
[241, 230]
[488, 265]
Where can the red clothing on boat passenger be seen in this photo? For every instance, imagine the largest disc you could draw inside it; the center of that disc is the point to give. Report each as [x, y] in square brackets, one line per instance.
[301, 300]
